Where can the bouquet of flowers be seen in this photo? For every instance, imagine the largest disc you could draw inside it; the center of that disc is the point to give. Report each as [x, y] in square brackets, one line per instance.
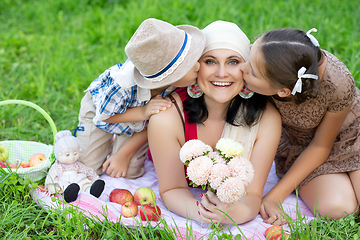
[224, 172]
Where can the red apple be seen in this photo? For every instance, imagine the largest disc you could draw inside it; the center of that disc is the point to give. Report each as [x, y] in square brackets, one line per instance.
[13, 165]
[37, 159]
[24, 164]
[42, 188]
[4, 153]
[144, 196]
[149, 212]
[121, 196]
[276, 232]
[2, 164]
[129, 209]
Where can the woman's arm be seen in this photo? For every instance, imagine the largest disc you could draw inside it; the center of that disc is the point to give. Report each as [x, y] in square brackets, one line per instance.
[262, 156]
[313, 156]
[166, 136]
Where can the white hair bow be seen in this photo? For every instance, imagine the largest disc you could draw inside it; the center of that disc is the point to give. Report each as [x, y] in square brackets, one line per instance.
[298, 84]
[312, 38]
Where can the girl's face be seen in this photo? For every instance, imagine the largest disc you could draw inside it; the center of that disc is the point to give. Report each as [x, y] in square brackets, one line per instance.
[220, 77]
[253, 72]
[69, 156]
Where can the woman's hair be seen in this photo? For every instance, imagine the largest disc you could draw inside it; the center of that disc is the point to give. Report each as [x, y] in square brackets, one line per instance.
[240, 111]
[285, 51]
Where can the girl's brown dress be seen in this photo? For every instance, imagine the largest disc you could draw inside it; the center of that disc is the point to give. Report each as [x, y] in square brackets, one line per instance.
[337, 91]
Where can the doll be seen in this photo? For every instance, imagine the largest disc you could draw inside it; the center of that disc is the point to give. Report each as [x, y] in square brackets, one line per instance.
[67, 175]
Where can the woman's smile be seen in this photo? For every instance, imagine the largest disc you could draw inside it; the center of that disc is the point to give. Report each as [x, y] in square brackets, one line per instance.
[221, 84]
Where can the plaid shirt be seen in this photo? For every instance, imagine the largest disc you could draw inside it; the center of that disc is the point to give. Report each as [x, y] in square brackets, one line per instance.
[111, 98]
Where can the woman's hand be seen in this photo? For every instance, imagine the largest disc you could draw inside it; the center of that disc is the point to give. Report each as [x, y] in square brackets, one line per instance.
[271, 212]
[212, 209]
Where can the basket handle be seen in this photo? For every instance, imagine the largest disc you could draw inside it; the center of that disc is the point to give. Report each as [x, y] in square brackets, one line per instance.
[39, 109]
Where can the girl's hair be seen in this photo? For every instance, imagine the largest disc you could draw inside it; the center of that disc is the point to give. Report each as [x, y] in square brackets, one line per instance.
[285, 51]
[240, 111]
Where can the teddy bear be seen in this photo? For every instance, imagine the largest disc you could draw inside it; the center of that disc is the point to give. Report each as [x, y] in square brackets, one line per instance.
[67, 175]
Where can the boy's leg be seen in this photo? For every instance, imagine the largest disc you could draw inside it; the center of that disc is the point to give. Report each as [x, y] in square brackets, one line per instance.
[94, 142]
[137, 161]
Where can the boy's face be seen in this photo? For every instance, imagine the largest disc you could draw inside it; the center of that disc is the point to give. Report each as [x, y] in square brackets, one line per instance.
[189, 78]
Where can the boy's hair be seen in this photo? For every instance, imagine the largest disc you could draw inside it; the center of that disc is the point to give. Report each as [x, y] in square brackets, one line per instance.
[285, 51]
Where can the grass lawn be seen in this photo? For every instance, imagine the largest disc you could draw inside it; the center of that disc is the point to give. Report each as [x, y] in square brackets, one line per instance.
[50, 51]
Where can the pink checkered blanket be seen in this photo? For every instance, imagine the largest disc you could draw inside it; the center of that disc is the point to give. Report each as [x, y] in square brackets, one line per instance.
[102, 207]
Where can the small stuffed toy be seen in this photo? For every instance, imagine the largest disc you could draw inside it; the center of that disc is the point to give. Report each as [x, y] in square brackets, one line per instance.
[67, 175]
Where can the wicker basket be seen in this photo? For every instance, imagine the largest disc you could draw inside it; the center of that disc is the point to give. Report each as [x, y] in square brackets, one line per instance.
[22, 150]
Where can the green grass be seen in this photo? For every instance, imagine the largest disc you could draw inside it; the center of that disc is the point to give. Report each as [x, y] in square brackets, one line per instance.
[50, 51]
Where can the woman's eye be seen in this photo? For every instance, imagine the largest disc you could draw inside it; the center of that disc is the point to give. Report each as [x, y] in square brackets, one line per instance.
[233, 62]
[75, 153]
[68, 154]
[209, 62]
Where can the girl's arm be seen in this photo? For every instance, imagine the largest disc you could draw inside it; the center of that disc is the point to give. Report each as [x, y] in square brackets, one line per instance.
[313, 156]
[262, 157]
[166, 136]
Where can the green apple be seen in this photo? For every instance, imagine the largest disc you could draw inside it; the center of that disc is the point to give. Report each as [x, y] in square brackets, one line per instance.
[144, 196]
[4, 153]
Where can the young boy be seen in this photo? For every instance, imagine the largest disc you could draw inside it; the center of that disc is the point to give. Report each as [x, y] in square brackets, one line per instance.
[162, 57]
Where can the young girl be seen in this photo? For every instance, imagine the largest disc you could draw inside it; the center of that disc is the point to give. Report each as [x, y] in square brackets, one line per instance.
[319, 150]
[210, 117]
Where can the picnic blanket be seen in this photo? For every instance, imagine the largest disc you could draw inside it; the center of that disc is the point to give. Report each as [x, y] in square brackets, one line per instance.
[102, 207]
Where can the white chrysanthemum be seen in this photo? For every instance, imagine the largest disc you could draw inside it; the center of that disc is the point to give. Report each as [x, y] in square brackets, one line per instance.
[199, 170]
[229, 148]
[219, 172]
[208, 149]
[231, 190]
[242, 168]
[192, 149]
[215, 156]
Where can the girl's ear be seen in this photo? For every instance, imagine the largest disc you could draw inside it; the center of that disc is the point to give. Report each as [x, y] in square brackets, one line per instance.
[284, 92]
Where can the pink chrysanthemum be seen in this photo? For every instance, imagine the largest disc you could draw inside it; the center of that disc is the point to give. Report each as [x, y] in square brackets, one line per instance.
[199, 170]
[192, 149]
[216, 157]
[242, 168]
[231, 190]
[219, 172]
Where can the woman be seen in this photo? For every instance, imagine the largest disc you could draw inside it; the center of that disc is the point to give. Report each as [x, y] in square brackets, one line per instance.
[319, 151]
[219, 112]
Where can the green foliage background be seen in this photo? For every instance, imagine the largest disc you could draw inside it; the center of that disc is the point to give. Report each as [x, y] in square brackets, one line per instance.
[50, 51]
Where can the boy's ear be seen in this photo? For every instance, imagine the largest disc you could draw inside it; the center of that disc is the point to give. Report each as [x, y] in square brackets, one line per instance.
[284, 92]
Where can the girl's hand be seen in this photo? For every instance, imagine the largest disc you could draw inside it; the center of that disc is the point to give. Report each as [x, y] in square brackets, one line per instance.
[155, 105]
[271, 212]
[212, 209]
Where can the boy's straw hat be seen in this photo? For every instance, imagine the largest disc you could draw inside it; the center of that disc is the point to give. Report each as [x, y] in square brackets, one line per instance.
[162, 53]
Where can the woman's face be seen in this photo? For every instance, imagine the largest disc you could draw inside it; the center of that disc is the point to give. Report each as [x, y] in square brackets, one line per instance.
[220, 77]
[253, 72]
